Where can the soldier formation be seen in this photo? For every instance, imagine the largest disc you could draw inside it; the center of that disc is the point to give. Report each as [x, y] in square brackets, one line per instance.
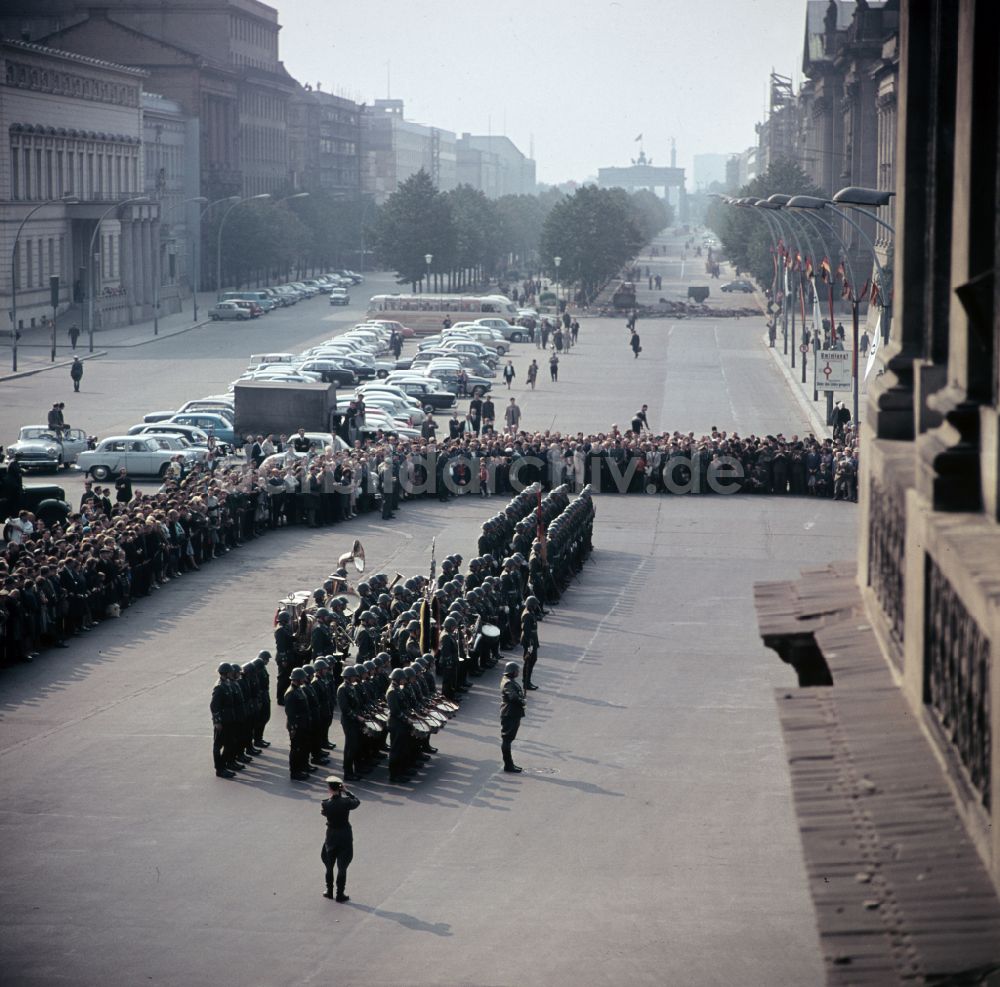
[395, 667]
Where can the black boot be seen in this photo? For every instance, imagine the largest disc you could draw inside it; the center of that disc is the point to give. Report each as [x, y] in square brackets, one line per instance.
[328, 893]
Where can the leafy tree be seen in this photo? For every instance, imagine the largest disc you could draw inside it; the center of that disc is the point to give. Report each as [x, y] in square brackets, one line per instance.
[594, 233]
[477, 227]
[650, 213]
[521, 218]
[416, 220]
[744, 233]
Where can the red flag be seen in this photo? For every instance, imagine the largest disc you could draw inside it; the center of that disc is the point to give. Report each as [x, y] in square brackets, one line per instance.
[809, 267]
[876, 296]
[841, 273]
[825, 273]
[864, 293]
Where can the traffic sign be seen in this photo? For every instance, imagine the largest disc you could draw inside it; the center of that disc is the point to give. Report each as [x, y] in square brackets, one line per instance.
[833, 371]
[804, 348]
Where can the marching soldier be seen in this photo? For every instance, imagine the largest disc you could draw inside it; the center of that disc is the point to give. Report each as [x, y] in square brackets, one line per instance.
[320, 639]
[338, 848]
[222, 723]
[399, 727]
[284, 648]
[447, 661]
[529, 639]
[512, 708]
[252, 703]
[297, 715]
[264, 698]
[350, 712]
[316, 752]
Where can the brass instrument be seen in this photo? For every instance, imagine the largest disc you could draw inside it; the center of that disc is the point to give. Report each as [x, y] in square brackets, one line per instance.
[356, 556]
[395, 579]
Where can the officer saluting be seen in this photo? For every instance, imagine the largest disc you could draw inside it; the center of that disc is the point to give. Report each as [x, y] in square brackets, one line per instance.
[338, 848]
[512, 706]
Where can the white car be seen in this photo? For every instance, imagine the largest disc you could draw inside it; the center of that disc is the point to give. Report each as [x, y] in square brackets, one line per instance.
[140, 455]
[339, 296]
[39, 447]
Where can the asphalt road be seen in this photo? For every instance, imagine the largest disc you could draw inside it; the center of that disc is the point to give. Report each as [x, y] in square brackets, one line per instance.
[651, 839]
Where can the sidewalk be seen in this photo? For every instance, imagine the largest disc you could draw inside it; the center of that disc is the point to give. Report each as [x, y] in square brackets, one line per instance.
[33, 349]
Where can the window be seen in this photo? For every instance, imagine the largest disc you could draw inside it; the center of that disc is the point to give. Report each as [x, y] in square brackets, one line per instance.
[26, 177]
[29, 279]
[60, 183]
[52, 257]
[49, 176]
[39, 180]
[15, 173]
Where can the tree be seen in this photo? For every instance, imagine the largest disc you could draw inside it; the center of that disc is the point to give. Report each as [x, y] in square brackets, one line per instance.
[416, 220]
[477, 227]
[594, 233]
[650, 213]
[520, 221]
[744, 233]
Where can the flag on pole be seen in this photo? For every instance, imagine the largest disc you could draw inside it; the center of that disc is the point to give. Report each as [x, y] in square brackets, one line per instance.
[825, 272]
[841, 273]
[797, 266]
[809, 267]
[639, 138]
[876, 297]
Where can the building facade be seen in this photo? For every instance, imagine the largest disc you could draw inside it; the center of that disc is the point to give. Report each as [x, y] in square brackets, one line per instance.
[324, 134]
[398, 148]
[74, 129]
[494, 165]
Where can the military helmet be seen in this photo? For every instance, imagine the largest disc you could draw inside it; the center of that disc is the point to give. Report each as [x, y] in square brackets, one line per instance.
[397, 675]
[370, 666]
[412, 626]
[339, 602]
[450, 623]
[364, 588]
[297, 675]
[350, 672]
[320, 663]
[284, 617]
[224, 668]
[249, 666]
[318, 594]
[264, 656]
[259, 663]
[398, 590]
[368, 617]
[309, 669]
[511, 669]
[532, 602]
[384, 600]
[322, 612]
[382, 656]
[410, 672]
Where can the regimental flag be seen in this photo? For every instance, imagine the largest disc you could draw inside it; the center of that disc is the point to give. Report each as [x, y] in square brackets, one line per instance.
[809, 267]
[825, 273]
[876, 294]
[846, 290]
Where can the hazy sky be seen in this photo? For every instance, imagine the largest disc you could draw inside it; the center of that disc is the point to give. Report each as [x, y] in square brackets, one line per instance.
[583, 77]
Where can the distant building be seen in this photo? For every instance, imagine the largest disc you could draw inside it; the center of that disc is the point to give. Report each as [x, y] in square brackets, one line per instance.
[741, 168]
[709, 170]
[668, 183]
[170, 147]
[218, 59]
[494, 165]
[74, 127]
[324, 134]
[396, 148]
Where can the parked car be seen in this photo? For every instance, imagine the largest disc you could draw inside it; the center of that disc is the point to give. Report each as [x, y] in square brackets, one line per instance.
[339, 296]
[254, 308]
[331, 371]
[39, 447]
[194, 435]
[140, 455]
[738, 285]
[226, 311]
[426, 391]
[210, 423]
[214, 406]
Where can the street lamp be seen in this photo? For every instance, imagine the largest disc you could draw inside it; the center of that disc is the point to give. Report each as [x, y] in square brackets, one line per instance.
[218, 244]
[94, 269]
[197, 243]
[69, 199]
[156, 278]
[557, 261]
[427, 260]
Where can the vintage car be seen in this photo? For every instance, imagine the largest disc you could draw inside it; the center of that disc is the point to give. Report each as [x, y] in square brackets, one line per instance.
[140, 455]
[40, 447]
[228, 310]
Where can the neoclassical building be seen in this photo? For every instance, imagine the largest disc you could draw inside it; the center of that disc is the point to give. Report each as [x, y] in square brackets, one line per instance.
[73, 127]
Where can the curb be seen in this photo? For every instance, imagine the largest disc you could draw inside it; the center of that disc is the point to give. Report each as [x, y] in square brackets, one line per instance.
[819, 424]
[156, 339]
[51, 366]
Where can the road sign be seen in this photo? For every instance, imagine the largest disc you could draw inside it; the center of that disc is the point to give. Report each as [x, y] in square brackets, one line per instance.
[804, 348]
[833, 370]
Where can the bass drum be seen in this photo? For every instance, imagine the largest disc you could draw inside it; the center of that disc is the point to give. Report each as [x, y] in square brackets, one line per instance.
[419, 730]
[491, 631]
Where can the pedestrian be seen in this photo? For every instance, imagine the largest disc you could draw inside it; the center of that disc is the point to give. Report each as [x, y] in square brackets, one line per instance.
[489, 415]
[512, 707]
[512, 416]
[123, 487]
[574, 330]
[74, 335]
[864, 343]
[509, 374]
[76, 373]
[640, 421]
[554, 366]
[634, 343]
[533, 373]
[338, 848]
[557, 340]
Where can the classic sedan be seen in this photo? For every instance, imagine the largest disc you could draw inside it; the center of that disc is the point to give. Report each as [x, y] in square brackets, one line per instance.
[39, 447]
[745, 286]
[140, 455]
[228, 310]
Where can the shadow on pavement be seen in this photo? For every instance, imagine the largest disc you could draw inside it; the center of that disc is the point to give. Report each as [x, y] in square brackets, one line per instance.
[409, 921]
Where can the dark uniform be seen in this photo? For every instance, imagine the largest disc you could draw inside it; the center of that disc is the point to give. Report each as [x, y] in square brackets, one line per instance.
[284, 656]
[529, 641]
[338, 848]
[512, 707]
[222, 710]
[297, 714]
[399, 729]
[350, 710]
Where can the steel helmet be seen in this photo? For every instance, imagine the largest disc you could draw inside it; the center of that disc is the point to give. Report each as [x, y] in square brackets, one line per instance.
[450, 623]
[264, 656]
[322, 612]
[511, 669]
[284, 617]
[382, 656]
[297, 675]
[320, 663]
[369, 666]
[225, 668]
[397, 675]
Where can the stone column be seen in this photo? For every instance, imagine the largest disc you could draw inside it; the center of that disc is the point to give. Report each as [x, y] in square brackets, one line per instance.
[138, 272]
[150, 261]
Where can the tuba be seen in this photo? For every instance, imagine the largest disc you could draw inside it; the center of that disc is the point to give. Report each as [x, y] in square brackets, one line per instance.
[356, 556]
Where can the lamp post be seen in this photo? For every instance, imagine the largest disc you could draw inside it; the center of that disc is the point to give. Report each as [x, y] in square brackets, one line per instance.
[68, 199]
[294, 195]
[94, 265]
[427, 260]
[156, 272]
[197, 242]
[557, 261]
[218, 242]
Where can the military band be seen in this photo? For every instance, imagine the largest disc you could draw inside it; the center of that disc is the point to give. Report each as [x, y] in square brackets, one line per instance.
[395, 668]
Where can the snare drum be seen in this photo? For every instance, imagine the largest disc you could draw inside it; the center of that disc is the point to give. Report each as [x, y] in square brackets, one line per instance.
[419, 730]
[370, 728]
[491, 631]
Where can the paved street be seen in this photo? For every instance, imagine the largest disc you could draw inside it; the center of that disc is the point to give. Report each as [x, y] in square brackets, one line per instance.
[651, 839]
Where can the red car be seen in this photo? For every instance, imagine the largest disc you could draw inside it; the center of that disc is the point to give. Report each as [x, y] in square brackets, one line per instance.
[405, 331]
[252, 307]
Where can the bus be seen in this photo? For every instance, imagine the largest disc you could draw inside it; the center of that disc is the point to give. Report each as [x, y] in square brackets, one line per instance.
[424, 313]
